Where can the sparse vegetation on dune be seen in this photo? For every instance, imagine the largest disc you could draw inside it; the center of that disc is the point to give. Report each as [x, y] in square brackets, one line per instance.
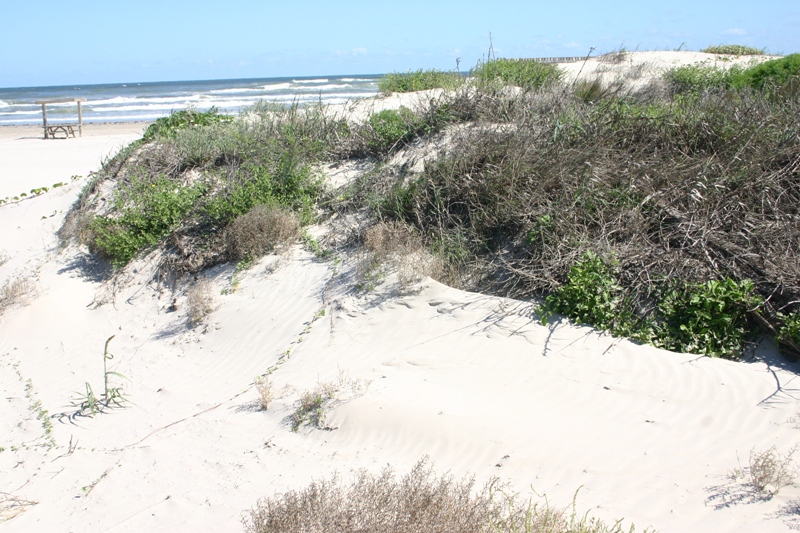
[420, 501]
[419, 80]
[733, 49]
[522, 73]
[658, 207]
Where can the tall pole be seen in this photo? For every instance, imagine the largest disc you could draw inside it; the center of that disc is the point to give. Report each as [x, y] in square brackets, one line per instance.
[80, 119]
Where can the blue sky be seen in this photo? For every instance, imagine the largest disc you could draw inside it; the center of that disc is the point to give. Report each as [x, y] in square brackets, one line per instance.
[86, 41]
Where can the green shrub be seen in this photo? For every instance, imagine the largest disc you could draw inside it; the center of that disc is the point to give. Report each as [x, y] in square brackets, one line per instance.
[419, 80]
[518, 72]
[147, 212]
[708, 318]
[789, 332]
[770, 73]
[590, 296]
[180, 120]
[292, 185]
[698, 78]
[391, 128]
[734, 50]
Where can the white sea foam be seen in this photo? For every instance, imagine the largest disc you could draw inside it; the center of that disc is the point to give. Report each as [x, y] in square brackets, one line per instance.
[26, 112]
[150, 101]
[326, 87]
[145, 100]
[277, 86]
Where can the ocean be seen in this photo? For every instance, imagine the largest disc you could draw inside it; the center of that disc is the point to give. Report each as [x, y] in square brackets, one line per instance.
[133, 102]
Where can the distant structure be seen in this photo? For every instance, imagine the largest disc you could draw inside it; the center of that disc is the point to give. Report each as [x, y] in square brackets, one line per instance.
[53, 131]
[554, 59]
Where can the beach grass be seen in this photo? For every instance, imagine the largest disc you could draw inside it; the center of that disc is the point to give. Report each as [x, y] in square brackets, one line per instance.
[522, 73]
[419, 80]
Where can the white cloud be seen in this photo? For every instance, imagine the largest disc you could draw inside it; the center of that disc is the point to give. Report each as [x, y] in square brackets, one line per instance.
[735, 31]
[352, 52]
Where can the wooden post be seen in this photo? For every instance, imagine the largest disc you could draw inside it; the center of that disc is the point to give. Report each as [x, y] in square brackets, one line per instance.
[80, 119]
[44, 118]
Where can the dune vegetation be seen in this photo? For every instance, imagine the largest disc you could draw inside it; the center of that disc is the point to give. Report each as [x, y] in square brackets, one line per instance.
[669, 214]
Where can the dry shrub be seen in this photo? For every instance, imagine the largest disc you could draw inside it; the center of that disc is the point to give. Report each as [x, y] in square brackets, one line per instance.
[15, 291]
[266, 391]
[199, 302]
[11, 506]
[770, 470]
[398, 246]
[260, 231]
[420, 501]
[76, 227]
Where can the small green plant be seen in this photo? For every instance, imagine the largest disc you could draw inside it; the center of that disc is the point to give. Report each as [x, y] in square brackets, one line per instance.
[313, 245]
[733, 50]
[419, 80]
[312, 405]
[41, 414]
[518, 72]
[88, 403]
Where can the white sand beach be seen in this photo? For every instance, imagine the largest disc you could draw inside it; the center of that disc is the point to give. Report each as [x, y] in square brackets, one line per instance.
[473, 382]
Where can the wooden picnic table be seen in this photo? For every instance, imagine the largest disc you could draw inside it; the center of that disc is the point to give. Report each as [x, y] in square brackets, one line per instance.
[51, 131]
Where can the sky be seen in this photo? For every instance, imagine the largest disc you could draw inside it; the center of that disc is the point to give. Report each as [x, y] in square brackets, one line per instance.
[86, 41]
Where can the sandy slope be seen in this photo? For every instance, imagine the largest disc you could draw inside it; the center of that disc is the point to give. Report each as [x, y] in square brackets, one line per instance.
[472, 381]
[64, 158]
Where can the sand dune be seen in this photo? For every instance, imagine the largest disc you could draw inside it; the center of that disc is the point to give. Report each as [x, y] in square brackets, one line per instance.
[472, 381]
